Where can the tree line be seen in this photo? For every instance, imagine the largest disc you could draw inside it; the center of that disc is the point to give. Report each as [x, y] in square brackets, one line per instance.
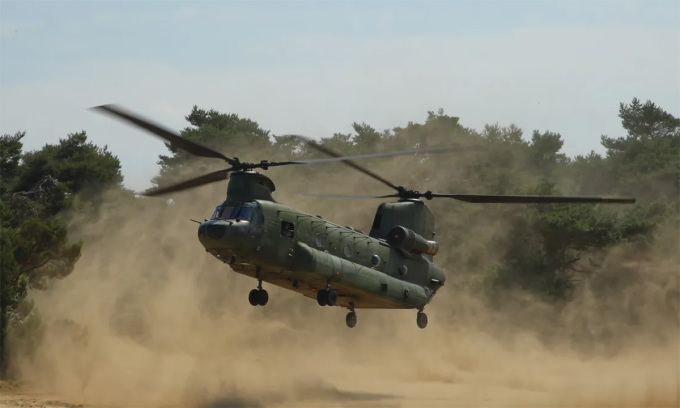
[42, 192]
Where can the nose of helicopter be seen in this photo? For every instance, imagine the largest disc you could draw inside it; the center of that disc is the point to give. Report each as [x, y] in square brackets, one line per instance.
[212, 234]
[221, 235]
[211, 231]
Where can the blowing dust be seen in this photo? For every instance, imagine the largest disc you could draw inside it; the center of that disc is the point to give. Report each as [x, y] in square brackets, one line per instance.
[148, 318]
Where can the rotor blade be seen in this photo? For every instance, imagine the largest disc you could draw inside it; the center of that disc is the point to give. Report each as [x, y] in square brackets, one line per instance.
[194, 182]
[528, 199]
[350, 163]
[351, 195]
[170, 136]
[370, 156]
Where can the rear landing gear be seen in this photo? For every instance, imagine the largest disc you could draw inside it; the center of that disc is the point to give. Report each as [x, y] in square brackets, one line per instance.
[351, 319]
[258, 297]
[421, 319]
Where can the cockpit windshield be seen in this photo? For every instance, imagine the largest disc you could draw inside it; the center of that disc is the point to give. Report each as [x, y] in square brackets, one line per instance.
[223, 212]
[248, 211]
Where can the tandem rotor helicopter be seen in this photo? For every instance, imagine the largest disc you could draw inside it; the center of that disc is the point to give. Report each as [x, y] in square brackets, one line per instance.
[390, 268]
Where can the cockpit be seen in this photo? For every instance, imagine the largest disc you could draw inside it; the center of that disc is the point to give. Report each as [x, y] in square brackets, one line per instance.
[246, 211]
[229, 225]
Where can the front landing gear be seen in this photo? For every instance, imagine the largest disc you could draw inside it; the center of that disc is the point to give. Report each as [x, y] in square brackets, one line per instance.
[421, 319]
[327, 297]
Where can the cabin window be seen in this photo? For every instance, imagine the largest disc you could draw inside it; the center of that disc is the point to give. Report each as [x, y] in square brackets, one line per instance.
[319, 240]
[347, 250]
[287, 229]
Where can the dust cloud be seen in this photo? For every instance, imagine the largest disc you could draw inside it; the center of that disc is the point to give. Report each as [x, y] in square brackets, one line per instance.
[149, 319]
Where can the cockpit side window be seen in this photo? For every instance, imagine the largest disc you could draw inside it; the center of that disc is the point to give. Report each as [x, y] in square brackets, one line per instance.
[257, 220]
[258, 216]
[245, 212]
[216, 213]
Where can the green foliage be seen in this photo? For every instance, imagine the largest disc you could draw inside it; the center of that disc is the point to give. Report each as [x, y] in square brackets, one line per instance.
[550, 249]
[41, 186]
[13, 283]
[13, 288]
[224, 132]
[366, 136]
[559, 245]
[10, 155]
[39, 190]
[42, 249]
[646, 159]
[544, 151]
[78, 167]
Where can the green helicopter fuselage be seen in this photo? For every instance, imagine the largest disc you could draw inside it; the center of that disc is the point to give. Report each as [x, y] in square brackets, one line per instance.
[261, 238]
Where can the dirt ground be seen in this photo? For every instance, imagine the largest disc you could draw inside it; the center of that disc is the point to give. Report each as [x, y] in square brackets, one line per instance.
[15, 395]
[475, 381]
[418, 368]
[148, 319]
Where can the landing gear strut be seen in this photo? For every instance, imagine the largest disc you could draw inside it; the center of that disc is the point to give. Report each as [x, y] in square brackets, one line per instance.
[259, 296]
[421, 319]
[327, 297]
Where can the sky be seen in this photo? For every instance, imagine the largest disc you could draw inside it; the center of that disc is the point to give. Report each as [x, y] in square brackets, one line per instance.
[314, 68]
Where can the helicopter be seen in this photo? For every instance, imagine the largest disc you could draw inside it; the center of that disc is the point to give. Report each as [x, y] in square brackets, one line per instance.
[391, 267]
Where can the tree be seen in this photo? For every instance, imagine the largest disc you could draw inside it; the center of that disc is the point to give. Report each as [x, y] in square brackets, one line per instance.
[646, 159]
[223, 132]
[366, 138]
[559, 238]
[544, 151]
[13, 288]
[38, 191]
[77, 166]
[560, 245]
[10, 154]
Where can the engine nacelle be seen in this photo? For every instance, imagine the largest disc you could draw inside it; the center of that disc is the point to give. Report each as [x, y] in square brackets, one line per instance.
[410, 242]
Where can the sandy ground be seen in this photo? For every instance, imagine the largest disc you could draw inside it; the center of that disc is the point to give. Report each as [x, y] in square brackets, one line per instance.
[469, 369]
[148, 319]
[330, 396]
[13, 395]
[486, 389]
[423, 394]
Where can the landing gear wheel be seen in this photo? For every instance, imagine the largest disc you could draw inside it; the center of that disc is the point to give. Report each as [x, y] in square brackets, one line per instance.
[351, 319]
[327, 297]
[258, 297]
[332, 297]
[263, 297]
[254, 297]
[322, 297]
[421, 319]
